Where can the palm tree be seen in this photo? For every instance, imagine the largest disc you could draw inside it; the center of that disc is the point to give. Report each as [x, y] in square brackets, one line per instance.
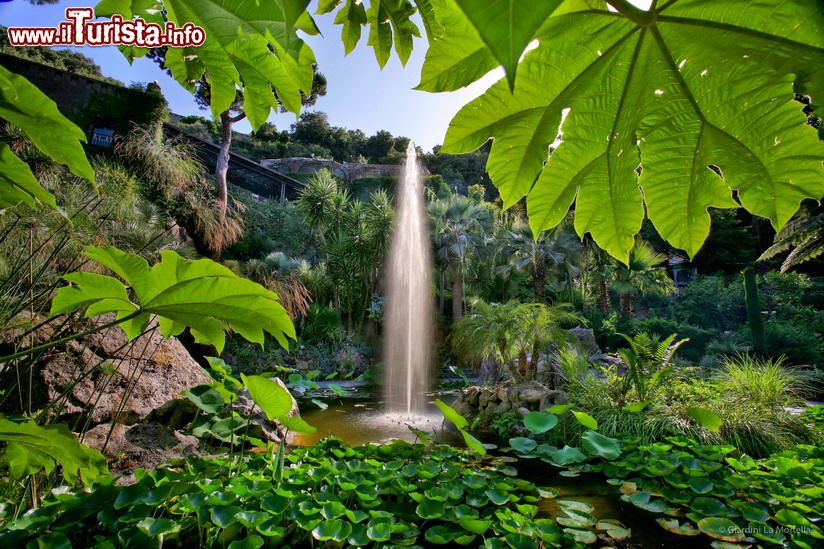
[643, 273]
[803, 236]
[556, 250]
[457, 225]
[513, 334]
[315, 200]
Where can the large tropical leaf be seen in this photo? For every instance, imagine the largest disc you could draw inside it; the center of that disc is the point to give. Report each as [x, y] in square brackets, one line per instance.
[253, 46]
[697, 98]
[203, 295]
[389, 23]
[31, 448]
[22, 104]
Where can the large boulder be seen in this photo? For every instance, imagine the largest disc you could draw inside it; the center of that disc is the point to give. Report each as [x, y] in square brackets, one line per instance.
[144, 445]
[106, 378]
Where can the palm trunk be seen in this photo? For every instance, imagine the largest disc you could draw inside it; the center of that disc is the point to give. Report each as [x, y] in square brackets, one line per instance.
[603, 297]
[626, 305]
[539, 280]
[441, 295]
[457, 291]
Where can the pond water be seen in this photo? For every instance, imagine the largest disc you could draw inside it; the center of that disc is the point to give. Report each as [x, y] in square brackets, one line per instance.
[363, 421]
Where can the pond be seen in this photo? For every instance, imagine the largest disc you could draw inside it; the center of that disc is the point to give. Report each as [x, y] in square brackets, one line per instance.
[362, 421]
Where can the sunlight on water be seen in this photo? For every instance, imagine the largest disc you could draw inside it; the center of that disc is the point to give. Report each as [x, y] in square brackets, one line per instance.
[408, 307]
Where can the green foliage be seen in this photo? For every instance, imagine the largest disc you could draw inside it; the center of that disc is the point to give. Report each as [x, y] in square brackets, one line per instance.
[31, 449]
[201, 295]
[764, 382]
[368, 496]
[461, 425]
[653, 74]
[23, 105]
[723, 494]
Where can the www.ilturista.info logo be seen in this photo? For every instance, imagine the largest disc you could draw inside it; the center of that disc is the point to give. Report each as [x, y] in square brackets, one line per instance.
[79, 30]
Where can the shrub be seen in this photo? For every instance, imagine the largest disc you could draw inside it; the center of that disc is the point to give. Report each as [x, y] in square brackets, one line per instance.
[692, 350]
[796, 340]
[764, 382]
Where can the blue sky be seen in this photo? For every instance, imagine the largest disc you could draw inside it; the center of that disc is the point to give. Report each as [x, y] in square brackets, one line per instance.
[359, 94]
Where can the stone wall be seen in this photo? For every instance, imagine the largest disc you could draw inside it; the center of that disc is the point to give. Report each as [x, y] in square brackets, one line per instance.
[349, 171]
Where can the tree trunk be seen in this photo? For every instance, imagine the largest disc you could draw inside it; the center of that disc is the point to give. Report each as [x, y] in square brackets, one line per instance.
[222, 166]
[536, 354]
[523, 365]
[603, 297]
[539, 279]
[442, 294]
[457, 291]
[626, 305]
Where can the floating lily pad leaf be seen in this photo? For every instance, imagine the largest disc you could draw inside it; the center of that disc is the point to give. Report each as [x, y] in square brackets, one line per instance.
[224, 516]
[586, 420]
[250, 519]
[451, 415]
[379, 529]
[793, 519]
[567, 455]
[770, 535]
[496, 496]
[637, 407]
[642, 500]
[709, 506]
[700, 485]
[615, 531]
[582, 536]
[576, 519]
[335, 530]
[54, 540]
[157, 527]
[522, 444]
[597, 444]
[430, 509]
[682, 529]
[519, 541]
[721, 528]
[705, 418]
[540, 422]
[249, 542]
[576, 505]
[476, 526]
[548, 492]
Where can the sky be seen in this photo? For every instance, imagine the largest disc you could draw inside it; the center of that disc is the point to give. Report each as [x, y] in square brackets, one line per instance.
[359, 95]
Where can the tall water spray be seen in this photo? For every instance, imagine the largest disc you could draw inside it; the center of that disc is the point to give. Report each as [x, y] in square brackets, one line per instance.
[408, 306]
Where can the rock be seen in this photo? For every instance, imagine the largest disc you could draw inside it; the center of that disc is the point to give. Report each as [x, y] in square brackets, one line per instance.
[105, 378]
[145, 445]
[301, 365]
[586, 339]
[523, 411]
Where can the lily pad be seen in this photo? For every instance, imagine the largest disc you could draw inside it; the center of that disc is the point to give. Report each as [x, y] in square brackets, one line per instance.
[334, 530]
[540, 422]
[597, 444]
[721, 528]
[523, 445]
[682, 529]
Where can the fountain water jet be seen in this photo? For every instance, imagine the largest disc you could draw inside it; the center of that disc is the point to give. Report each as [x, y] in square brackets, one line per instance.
[408, 306]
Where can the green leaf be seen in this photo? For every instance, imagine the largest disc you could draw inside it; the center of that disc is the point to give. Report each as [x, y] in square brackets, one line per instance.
[507, 26]
[297, 424]
[25, 106]
[673, 526]
[540, 422]
[158, 527]
[473, 443]
[637, 407]
[693, 85]
[273, 398]
[522, 445]
[451, 415]
[253, 46]
[705, 418]
[586, 420]
[388, 19]
[567, 455]
[597, 444]
[379, 529]
[31, 448]
[200, 294]
[206, 398]
[332, 530]
[559, 409]
[352, 17]
[721, 528]
[455, 58]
